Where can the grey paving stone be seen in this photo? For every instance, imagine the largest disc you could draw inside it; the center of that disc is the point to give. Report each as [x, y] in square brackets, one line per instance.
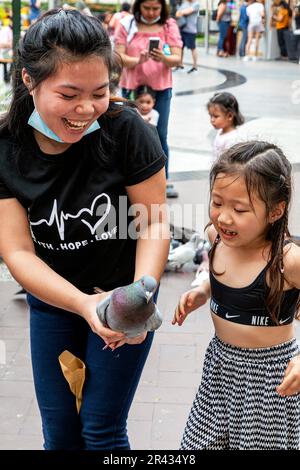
[139, 433]
[141, 412]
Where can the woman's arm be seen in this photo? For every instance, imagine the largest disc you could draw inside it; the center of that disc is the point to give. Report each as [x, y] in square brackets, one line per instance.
[17, 251]
[148, 201]
[220, 12]
[169, 60]
[128, 61]
[149, 198]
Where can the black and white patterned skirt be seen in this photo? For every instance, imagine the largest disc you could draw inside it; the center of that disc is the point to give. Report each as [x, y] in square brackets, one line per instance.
[237, 406]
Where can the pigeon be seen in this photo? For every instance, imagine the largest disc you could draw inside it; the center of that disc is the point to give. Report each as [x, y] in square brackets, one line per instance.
[174, 244]
[184, 253]
[203, 270]
[198, 256]
[130, 309]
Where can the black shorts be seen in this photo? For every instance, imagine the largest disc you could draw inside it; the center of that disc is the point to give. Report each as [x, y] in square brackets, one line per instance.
[189, 40]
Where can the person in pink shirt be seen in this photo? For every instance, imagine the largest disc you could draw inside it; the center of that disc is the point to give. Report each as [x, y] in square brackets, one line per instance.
[116, 18]
[154, 69]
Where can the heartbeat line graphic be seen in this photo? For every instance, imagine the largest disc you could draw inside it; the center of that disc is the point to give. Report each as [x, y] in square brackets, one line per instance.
[59, 219]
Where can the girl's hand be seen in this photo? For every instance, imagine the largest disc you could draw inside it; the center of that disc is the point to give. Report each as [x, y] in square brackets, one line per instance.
[189, 301]
[89, 314]
[157, 55]
[291, 382]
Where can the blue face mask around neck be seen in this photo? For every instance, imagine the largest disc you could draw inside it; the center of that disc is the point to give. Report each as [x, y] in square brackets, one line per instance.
[143, 20]
[37, 123]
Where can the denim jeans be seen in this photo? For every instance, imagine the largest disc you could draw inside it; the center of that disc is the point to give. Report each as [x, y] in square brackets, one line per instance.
[162, 106]
[223, 28]
[111, 381]
[243, 42]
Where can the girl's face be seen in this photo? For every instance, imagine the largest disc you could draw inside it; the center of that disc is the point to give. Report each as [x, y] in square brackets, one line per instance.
[73, 98]
[238, 223]
[145, 103]
[219, 118]
[150, 9]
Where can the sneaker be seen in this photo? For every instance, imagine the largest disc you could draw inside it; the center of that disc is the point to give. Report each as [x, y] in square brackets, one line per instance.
[179, 67]
[171, 193]
[20, 294]
[170, 186]
[193, 69]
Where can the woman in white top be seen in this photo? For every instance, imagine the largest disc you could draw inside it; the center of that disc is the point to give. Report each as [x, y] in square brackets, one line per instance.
[256, 14]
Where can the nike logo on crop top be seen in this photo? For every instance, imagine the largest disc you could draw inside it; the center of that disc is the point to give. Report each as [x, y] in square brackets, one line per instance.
[246, 305]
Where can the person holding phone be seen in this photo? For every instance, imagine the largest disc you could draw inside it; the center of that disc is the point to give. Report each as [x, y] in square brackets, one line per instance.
[151, 67]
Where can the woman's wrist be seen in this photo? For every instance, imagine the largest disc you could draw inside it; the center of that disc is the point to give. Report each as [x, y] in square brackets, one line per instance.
[80, 302]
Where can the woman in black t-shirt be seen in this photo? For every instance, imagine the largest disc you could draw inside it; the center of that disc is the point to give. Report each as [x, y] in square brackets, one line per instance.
[71, 163]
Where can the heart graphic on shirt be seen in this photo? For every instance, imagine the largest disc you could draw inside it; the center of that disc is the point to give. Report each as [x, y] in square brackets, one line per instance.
[91, 212]
[59, 218]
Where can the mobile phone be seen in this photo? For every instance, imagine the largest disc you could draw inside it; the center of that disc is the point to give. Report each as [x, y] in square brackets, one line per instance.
[153, 43]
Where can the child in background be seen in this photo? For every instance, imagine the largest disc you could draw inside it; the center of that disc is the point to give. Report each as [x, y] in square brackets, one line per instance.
[225, 116]
[145, 101]
[249, 395]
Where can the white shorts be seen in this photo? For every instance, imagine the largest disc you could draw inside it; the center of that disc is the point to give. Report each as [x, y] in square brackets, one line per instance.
[255, 28]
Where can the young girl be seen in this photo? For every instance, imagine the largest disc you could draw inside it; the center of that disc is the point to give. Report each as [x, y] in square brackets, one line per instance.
[249, 395]
[225, 116]
[69, 156]
[145, 101]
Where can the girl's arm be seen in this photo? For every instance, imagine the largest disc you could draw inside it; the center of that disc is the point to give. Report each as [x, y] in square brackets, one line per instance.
[291, 262]
[190, 301]
[290, 384]
[17, 251]
[194, 298]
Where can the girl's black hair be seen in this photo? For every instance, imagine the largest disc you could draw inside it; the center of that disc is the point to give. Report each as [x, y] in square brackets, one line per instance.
[267, 173]
[164, 14]
[58, 36]
[144, 90]
[228, 103]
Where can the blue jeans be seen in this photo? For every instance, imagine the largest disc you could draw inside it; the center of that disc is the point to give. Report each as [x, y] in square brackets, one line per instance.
[162, 105]
[243, 42]
[223, 28]
[111, 381]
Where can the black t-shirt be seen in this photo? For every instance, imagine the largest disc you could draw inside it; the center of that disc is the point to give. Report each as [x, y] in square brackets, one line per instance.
[77, 205]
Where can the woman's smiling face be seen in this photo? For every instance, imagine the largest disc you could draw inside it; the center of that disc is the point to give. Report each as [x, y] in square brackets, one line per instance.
[70, 100]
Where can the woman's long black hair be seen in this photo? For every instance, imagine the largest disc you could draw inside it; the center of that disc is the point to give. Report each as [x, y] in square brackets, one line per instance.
[58, 36]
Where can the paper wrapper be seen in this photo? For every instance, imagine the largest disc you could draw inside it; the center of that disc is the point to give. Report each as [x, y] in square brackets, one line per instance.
[74, 372]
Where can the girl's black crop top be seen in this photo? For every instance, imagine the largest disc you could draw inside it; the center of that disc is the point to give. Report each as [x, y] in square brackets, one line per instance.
[246, 305]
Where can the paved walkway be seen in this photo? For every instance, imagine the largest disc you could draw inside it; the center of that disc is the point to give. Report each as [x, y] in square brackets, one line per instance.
[173, 370]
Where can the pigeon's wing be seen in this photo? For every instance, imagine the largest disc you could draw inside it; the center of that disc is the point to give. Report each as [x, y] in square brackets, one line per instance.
[154, 322]
[101, 310]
